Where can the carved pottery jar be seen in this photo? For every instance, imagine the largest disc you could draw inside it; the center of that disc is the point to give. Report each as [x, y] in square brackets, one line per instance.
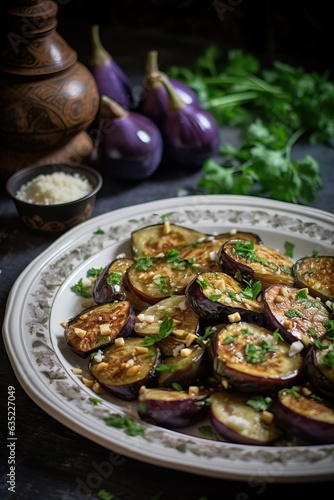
[48, 98]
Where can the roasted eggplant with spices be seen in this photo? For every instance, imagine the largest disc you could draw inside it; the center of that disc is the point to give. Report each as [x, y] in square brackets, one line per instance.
[204, 252]
[319, 364]
[250, 358]
[172, 409]
[98, 326]
[246, 260]
[316, 274]
[237, 421]
[215, 296]
[155, 278]
[184, 324]
[304, 415]
[159, 238]
[298, 316]
[185, 369]
[109, 285]
[125, 366]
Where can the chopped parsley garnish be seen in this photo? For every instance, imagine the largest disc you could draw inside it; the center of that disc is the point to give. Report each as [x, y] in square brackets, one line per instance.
[81, 290]
[166, 328]
[259, 403]
[201, 340]
[129, 426]
[115, 278]
[289, 249]
[293, 313]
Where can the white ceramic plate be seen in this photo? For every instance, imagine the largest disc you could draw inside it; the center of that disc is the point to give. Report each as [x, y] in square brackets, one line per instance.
[41, 299]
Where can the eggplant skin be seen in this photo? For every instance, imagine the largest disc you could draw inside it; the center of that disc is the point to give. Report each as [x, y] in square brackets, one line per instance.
[98, 326]
[297, 315]
[216, 295]
[320, 375]
[248, 358]
[316, 274]
[172, 409]
[109, 285]
[237, 422]
[309, 419]
[125, 368]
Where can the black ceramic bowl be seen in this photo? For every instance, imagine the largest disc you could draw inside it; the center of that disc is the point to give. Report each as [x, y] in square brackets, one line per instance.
[58, 217]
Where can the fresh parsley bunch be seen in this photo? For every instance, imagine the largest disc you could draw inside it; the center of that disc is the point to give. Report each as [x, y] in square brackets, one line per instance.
[275, 107]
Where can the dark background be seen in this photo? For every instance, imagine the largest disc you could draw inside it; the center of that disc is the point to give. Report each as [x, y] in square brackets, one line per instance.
[295, 32]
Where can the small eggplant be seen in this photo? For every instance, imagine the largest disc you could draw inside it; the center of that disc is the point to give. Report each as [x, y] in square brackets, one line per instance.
[109, 77]
[131, 144]
[154, 99]
[190, 133]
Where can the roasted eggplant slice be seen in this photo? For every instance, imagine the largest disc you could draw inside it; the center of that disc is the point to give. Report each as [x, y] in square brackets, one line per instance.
[185, 369]
[246, 260]
[316, 274]
[109, 285]
[155, 278]
[172, 409]
[304, 415]
[184, 324]
[125, 367]
[319, 366]
[204, 252]
[159, 238]
[98, 326]
[237, 421]
[216, 296]
[297, 315]
[250, 358]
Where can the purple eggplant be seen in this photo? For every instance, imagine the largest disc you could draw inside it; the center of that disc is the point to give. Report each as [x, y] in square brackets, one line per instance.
[295, 313]
[319, 367]
[130, 144]
[236, 421]
[109, 77]
[214, 296]
[304, 416]
[172, 409]
[251, 359]
[190, 133]
[124, 367]
[109, 285]
[153, 102]
[317, 274]
[97, 327]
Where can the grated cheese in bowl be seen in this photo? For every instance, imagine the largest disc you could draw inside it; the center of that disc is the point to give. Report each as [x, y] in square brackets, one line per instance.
[54, 188]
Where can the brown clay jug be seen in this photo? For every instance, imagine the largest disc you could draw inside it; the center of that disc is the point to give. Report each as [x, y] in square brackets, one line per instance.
[48, 98]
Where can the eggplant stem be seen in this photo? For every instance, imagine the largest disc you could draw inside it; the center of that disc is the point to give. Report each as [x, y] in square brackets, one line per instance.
[99, 54]
[175, 102]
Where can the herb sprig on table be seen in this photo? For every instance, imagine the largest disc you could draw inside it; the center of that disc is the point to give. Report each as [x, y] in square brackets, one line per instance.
[275, 107]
